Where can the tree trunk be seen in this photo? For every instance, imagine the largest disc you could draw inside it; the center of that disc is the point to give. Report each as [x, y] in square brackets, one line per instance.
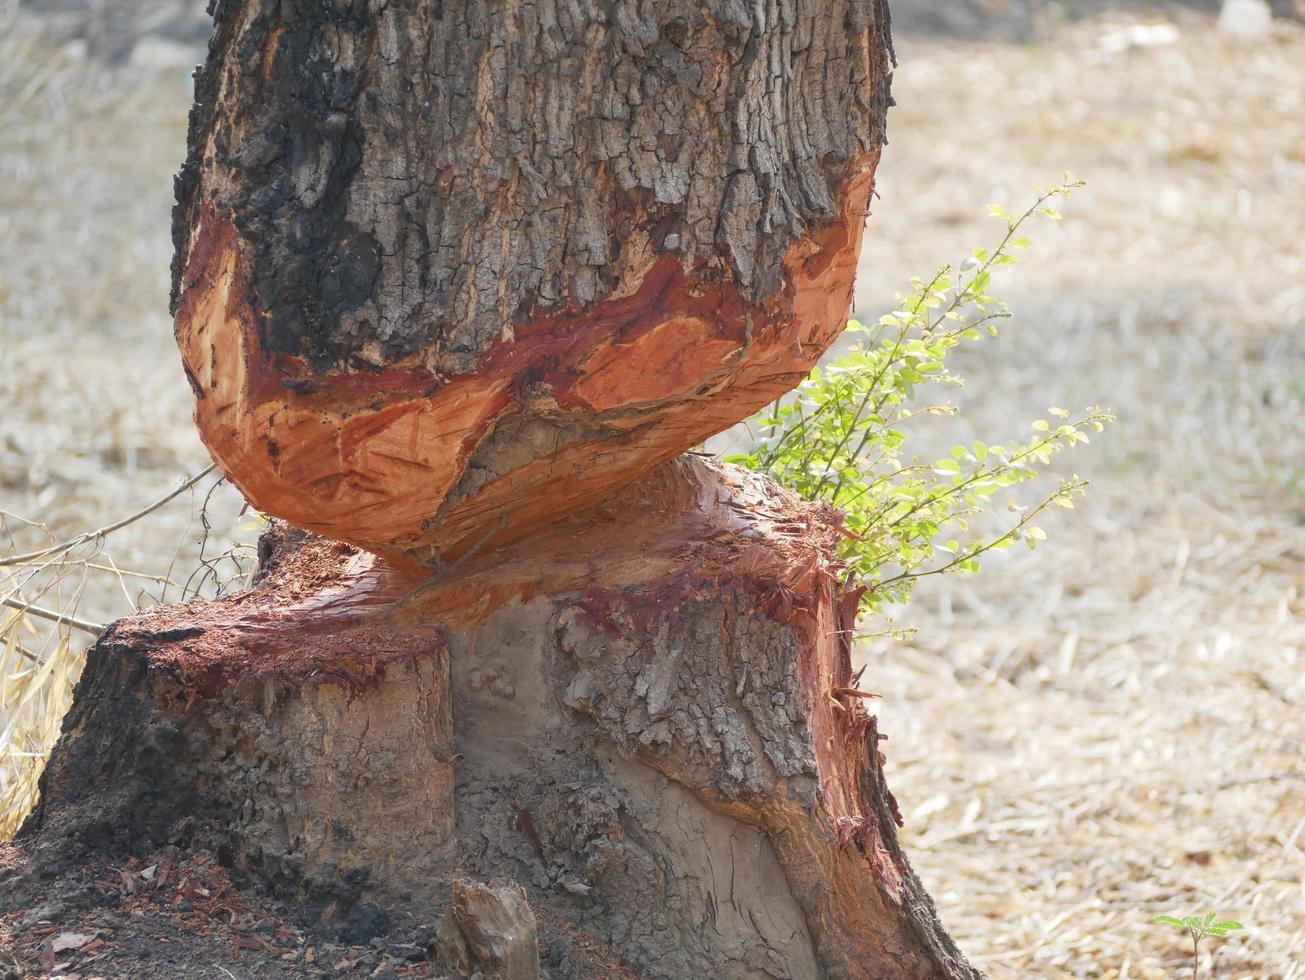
[446, 272]
[646, 714]
[455, 286]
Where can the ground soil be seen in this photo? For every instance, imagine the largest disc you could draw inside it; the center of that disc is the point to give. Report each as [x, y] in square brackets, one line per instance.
[1082, 737]
[177, 913]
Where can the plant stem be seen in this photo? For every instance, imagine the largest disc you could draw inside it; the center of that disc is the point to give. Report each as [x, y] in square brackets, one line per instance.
[109, 529]
[982, 549]
[95, 629]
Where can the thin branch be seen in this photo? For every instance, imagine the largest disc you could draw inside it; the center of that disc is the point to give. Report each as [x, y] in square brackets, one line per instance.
[109, 529]
[41, 613]
[1073, 486]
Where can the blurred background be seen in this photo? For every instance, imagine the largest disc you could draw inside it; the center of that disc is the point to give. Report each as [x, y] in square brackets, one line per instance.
[1082, 737]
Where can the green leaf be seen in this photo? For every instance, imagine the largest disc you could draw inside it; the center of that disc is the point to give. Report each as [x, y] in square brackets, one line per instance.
[842, 438]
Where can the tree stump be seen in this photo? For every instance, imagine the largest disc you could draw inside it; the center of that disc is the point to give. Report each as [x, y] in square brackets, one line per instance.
[456, 284]
[676, 762]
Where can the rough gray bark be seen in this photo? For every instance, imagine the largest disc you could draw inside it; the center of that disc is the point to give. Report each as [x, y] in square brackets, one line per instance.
[455, 279]
[420, 177]
[672, 763]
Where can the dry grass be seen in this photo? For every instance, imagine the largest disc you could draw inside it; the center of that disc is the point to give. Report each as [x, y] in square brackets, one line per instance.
[1081, 738]
[1114, 726]
[93, 409]
[36, 681]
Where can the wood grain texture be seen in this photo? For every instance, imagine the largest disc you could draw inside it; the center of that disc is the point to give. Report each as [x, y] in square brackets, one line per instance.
[650, 733]
[447, 272]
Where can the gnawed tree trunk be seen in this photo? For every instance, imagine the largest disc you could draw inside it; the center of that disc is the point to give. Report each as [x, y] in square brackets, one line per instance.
[455, 286]
[646, 714]
[448, 272]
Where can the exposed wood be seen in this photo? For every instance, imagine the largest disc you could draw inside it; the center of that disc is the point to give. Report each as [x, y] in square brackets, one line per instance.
[650, 732]
[455, 284]
[495, 927]
[448, 271]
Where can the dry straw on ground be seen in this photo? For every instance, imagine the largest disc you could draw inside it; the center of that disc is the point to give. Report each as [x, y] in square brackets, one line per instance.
[1114, 726]
[93, 407]
[1081, 738]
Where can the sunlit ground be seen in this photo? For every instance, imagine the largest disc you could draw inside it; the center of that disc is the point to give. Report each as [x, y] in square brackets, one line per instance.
[1114, 726]
[1080, 738]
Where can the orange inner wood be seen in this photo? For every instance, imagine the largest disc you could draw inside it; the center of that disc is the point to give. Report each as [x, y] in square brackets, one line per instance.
[377, 458]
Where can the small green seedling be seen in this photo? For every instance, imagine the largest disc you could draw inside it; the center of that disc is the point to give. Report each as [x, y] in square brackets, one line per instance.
[1199, 927]
[842, 437]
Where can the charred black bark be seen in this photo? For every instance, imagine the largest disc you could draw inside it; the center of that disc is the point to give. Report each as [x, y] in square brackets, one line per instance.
[421, 177]
[668, 764]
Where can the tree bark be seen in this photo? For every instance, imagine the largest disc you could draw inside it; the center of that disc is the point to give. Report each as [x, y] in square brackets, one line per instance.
[646, 715]
[448, 271]
[456, 283]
